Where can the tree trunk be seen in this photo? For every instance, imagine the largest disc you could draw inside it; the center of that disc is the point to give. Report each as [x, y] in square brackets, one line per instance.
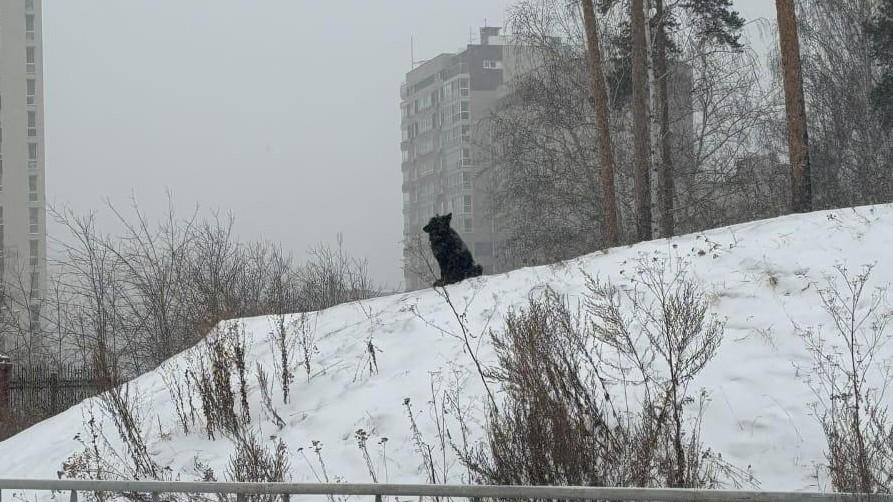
[606, 149]
[798, 138]
[640, 123]
[665, 187]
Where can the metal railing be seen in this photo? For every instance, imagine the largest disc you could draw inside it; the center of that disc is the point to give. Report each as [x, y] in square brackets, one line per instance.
[285, 490]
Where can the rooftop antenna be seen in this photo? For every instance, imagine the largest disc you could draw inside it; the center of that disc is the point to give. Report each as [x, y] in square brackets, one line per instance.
[411, 53]
[470, 39]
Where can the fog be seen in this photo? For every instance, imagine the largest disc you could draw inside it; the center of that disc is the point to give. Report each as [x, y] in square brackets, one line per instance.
[284, 112]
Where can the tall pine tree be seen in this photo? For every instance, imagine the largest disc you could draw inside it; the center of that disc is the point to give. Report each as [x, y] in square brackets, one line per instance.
[610, 231]
[795, 107]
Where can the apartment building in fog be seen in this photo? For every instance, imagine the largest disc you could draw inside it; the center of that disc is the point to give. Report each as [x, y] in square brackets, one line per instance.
[442, 100]
[22, 194]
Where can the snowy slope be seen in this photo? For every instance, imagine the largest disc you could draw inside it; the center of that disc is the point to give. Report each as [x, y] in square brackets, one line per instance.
[759, 413]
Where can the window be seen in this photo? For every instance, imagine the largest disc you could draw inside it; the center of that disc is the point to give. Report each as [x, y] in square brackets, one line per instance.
[33, 221]
[32, 155]
[29, 26]
[463, 87]
[35, 314]
[31, 91]
[425, 146]
[463, 108]
[32, 123]
[467, 225]
[29, 5]
[466, 180]
[490, 64]
[32, 188]
[34, 251]
[30, 60]
[466, 157]
[466, 206]
[426, 168]
[426, 124]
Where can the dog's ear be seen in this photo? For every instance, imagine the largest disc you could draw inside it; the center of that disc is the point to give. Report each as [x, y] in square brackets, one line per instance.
[448, 217]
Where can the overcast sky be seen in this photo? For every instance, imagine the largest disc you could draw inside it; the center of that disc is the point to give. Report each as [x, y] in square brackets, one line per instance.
[285, 112]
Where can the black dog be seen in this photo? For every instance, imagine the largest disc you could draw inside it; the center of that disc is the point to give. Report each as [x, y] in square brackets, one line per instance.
[452, 254]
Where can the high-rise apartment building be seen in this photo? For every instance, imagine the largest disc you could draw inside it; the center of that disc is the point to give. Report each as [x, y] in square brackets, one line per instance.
[22, 200]
[442, 101]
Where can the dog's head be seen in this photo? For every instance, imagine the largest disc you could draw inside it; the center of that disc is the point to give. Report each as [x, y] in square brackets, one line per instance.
[438, 224]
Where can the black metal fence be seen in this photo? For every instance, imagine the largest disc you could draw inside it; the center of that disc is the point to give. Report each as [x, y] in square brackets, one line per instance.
[39, 391]
[46, 390]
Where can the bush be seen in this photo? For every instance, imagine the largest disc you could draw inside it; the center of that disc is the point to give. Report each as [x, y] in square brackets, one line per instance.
[848, 377]
[563, 373]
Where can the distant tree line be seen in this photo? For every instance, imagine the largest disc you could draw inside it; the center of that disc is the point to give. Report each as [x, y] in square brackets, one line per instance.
[127, 303]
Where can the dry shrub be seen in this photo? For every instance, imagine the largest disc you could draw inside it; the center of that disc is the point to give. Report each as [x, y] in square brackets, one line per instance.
[255, 463]
[220, 360]
[849, 377]
[567, 376]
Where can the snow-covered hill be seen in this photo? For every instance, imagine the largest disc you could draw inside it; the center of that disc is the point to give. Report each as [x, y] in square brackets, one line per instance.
[761, 276]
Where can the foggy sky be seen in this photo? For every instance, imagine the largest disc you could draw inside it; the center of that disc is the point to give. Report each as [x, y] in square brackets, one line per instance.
[285, 112]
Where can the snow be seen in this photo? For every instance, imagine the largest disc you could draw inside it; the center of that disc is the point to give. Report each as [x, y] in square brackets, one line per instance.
[758, 416]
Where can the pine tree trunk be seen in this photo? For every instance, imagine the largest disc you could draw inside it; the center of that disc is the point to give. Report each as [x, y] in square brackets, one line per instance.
[641, 146]
[665, 186]
[798, 138]
[606, 150]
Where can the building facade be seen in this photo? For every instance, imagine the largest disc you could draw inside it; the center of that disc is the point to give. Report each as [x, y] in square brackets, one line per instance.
[442, 101]
[22, 188]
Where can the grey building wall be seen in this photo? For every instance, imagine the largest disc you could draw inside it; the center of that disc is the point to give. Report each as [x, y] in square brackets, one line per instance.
[22, 192]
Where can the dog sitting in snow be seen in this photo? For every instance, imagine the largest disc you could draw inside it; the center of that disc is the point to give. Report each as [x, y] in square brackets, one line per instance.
[451, 253]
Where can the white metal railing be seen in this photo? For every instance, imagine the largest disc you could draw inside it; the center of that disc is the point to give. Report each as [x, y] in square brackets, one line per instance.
[418, 490]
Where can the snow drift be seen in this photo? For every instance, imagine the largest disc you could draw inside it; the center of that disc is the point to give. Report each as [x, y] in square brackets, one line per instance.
[761, 276]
